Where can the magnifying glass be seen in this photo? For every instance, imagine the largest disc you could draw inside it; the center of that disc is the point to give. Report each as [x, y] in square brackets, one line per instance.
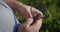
[36, 15]
[40, 7]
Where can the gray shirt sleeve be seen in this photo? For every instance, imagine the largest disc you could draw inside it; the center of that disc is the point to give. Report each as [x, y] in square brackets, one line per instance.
[7, 20]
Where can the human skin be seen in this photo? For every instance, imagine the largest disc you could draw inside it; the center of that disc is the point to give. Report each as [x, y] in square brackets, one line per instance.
[24, 10]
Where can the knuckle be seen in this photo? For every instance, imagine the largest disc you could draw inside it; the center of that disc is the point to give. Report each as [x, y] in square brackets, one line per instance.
[25, 26]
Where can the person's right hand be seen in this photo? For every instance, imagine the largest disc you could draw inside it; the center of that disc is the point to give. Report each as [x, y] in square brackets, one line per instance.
[27, 27]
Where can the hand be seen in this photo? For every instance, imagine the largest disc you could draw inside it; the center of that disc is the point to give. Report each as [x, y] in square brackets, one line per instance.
[36, 25]
[31, 12]
[27, 27]
[35, 11]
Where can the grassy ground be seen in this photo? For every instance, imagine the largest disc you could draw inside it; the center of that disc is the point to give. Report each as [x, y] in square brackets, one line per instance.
[51, 21]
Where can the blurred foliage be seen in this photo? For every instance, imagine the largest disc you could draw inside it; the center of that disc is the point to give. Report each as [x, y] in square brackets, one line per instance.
[51, 10]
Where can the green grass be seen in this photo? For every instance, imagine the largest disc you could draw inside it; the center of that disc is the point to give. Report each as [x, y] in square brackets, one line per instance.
[51, 21]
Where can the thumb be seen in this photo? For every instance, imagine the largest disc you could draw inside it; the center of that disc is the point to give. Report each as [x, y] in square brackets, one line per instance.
[28, 22]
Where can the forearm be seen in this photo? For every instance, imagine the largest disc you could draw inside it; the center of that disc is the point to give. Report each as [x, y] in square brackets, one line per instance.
[13, 4]
[20, 7]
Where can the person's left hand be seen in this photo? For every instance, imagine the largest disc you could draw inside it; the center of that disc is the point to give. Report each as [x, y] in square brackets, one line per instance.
[34, 11]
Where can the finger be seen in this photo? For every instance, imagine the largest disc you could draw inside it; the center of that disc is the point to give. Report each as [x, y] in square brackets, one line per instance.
[28, 22]
[37, 24]
[35, 11]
